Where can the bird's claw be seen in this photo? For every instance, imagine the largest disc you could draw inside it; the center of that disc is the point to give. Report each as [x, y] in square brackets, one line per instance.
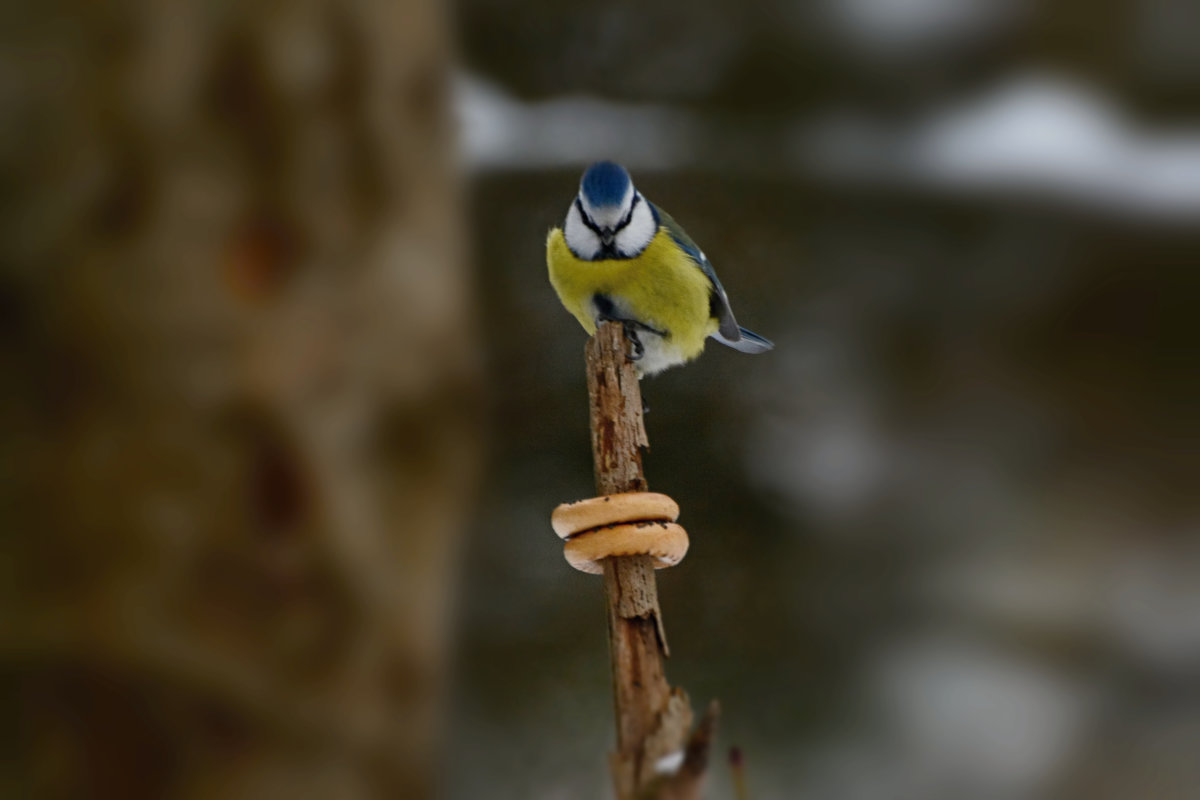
[639, 349]
[631, 327]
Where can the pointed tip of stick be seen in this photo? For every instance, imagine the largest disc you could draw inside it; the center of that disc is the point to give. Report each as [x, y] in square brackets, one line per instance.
[737, 764]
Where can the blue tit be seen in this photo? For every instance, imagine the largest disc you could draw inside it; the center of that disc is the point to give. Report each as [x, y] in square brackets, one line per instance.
[619, 257]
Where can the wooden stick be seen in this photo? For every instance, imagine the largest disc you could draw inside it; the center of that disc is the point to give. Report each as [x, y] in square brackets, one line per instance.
[737, 765]
[653, 720]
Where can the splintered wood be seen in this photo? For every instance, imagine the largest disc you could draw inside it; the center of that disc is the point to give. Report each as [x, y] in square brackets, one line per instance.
[653, 720]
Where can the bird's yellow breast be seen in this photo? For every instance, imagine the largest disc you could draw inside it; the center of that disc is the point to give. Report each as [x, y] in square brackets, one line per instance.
[661, 287]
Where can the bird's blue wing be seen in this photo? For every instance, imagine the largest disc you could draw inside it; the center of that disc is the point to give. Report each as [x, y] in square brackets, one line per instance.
[718, 300]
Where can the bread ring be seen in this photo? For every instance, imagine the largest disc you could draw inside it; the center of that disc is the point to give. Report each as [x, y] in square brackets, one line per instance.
[582, 515]
[666, 542]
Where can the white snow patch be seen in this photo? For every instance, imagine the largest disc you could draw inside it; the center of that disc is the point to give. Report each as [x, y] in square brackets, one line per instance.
[1046, 134]
[907, 25]
[498, 130]
[973, 717]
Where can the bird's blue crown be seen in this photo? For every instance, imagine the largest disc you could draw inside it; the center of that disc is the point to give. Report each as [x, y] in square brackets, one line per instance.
[604, 184]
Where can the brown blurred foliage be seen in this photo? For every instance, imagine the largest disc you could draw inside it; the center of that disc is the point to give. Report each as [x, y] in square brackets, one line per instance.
[236, 404]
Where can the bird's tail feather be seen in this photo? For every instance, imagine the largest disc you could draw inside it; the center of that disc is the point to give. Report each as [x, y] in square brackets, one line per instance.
[747, 342]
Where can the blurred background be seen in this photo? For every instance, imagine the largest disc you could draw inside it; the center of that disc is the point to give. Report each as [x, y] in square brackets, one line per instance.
[287, 398]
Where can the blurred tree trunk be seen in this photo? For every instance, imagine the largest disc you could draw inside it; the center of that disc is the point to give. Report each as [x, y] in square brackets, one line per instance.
[237, 405]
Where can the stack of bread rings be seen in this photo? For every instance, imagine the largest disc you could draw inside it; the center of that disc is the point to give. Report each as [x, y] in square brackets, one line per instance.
[629, 524]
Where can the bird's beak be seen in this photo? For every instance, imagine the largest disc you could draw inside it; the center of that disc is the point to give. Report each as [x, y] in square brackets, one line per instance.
[607, 237]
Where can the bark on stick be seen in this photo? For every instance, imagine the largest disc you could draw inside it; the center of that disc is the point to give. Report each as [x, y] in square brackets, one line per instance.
[653, 719]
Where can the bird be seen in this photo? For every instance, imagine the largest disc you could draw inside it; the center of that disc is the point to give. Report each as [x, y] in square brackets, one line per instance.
[618, 257]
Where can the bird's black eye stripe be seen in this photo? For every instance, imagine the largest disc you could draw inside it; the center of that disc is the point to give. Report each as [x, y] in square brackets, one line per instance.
[587, 221]
[596, 229]
[629, 216]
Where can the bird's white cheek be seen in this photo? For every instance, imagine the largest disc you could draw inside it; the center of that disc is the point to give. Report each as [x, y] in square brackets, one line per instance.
[580, 239]
[636, 236]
